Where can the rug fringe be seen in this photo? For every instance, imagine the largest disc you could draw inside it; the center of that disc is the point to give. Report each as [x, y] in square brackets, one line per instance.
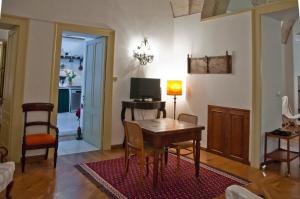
[94, 181]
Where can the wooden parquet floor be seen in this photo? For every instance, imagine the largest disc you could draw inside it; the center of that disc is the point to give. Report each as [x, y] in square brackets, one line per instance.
[41, 181]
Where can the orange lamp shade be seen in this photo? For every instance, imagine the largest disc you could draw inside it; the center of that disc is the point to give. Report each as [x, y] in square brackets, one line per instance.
[174, 87]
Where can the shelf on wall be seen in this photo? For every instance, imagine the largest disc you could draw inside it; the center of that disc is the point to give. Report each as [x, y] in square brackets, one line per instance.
[71, 57]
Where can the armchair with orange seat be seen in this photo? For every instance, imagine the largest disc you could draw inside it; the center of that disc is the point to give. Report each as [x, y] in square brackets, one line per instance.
[39, 140]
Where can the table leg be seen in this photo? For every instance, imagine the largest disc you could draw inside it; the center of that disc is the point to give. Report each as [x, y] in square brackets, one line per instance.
[266, 147]
[155, 168]
[132, 114]
[197, 159]
[288, 158]
[166, 155]
[122, 119]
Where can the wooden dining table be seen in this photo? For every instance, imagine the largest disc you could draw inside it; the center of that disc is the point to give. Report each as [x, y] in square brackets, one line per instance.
[160, 133]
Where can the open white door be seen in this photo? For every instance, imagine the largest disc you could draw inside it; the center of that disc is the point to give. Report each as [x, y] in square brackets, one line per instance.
[93, 91]
[8, 88]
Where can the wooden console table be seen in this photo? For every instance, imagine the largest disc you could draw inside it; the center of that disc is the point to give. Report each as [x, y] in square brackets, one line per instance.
[152, 105]
[280, 154]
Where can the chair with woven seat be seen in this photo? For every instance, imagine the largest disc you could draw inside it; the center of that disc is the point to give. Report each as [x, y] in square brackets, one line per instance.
[7, 170]
[134, 145]
[39, 140]
[187, 144]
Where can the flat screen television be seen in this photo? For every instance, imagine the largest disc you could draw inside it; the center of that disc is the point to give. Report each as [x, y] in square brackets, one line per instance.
[145, 88]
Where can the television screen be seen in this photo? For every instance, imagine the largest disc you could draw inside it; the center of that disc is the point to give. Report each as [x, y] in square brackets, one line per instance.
[143, 88]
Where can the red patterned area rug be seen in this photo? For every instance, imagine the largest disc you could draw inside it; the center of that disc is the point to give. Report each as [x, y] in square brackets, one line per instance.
[109, 176]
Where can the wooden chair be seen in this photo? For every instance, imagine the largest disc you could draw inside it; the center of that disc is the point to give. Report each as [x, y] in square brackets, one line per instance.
[134, 145]
[40, 140]
[187, 144]
[6, 173]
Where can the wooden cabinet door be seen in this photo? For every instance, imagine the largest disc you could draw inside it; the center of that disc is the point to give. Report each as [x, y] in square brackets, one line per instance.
[216, 130]
[228, 132]
[238, 135]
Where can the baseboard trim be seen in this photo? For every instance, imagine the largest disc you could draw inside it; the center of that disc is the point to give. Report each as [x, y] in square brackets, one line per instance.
[117, 146]
[247, 162]
[120, 146]
[203, 149]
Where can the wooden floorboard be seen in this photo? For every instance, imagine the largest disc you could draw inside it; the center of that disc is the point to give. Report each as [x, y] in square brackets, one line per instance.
[40, 180]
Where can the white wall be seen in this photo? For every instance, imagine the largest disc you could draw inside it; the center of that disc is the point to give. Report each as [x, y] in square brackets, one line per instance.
[131, 19]
[272, 77]
[74, 47]
[4, 34]
[39, 61]
[296, 50]
[211, 38]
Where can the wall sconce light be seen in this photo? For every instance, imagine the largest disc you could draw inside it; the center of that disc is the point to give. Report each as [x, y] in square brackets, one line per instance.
[143, 53]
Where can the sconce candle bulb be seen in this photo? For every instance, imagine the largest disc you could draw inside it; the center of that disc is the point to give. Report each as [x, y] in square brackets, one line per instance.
[143, 53]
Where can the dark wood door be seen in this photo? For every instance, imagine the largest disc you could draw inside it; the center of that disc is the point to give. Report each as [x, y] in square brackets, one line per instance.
[228, 132]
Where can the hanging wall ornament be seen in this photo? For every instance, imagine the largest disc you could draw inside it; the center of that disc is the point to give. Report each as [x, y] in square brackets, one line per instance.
[80, 65]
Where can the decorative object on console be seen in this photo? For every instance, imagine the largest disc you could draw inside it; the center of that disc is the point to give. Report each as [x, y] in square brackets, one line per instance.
[143, 53]
[174, 87]
[210, 65]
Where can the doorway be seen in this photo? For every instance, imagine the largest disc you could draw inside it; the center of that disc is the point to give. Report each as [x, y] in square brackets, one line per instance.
[80, 92]
[109, 34]
[8, 47]
[279, 78]
[13, 86]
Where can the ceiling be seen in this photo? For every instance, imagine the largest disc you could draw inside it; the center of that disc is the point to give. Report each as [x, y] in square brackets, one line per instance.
[210, 8]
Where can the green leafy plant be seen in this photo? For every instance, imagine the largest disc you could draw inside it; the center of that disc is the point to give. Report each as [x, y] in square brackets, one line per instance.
[70, 75]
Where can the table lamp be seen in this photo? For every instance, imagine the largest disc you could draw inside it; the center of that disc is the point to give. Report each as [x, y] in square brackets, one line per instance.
[174, 87]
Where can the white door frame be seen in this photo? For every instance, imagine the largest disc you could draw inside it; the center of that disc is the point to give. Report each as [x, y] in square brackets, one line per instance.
[15, 121]
[108, 82]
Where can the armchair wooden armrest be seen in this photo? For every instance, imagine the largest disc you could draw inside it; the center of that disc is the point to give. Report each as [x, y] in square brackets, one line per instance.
[55, 128]
[3, 154]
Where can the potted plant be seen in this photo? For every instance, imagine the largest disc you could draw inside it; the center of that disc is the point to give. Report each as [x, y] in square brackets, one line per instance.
[70, 76]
